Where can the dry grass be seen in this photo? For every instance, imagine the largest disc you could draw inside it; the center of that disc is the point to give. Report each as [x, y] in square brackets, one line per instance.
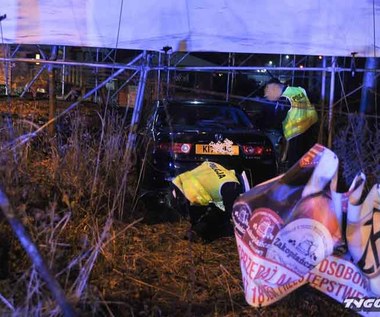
[73, 193]
[153, 271]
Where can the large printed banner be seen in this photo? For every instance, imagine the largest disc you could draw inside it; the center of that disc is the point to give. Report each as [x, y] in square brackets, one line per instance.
[297, 229]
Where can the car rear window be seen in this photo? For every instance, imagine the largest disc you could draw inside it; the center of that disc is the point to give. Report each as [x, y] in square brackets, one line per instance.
[203, 116]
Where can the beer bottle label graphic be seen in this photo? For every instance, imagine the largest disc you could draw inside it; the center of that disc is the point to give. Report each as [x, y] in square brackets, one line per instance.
[262, 228]
[301, 245]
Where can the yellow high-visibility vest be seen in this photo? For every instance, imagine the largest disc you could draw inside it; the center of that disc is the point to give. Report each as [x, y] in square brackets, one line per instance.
[202, 185]
[301, 115]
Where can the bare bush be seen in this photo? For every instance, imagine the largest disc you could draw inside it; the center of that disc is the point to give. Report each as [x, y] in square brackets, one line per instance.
[67, 194]
[357, 144]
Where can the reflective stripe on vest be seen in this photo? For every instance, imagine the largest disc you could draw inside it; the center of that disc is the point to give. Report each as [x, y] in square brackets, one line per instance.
[301, 115]
[202, 185]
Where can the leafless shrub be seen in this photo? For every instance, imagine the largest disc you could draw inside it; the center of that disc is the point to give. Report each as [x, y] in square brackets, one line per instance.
[357, 144]
[67, 194]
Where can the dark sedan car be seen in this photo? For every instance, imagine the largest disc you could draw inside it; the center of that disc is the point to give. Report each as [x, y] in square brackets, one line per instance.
[183, 134]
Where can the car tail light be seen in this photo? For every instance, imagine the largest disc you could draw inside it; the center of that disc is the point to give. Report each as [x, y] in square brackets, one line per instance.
[176, 147]
[256, 150]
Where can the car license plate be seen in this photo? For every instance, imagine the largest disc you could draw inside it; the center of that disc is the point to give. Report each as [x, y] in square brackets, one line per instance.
[212, 150]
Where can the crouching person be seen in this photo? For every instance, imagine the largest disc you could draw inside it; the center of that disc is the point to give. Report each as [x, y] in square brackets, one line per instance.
[206, 194]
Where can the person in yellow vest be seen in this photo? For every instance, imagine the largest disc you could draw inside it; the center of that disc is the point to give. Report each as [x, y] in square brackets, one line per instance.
[208, 192]
[298, 126]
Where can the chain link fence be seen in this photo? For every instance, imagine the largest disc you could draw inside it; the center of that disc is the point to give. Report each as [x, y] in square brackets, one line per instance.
[357, 144]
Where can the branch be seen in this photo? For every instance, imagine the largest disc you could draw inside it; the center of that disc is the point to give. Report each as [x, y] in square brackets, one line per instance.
[35, 256]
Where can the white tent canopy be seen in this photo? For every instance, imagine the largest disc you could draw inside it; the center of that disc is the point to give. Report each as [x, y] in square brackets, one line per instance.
[321, 27]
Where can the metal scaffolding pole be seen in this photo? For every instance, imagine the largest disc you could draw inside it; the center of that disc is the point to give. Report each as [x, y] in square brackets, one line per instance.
[168, 56]
[108, 56]
[294, 66]
[138, 108]
[71, 107]
[52, 94]
[63, 73]
[130, 78]
[181, 59]
[29, 84]
[42, 53]
[323, 102]
[16, 50]
[188, 68]
[323, 82]
[331, 103]
[124, 84]
[7, 70]
[230, 76]
[159, 76]
[67, 63]
[253, 68]
[96, 76]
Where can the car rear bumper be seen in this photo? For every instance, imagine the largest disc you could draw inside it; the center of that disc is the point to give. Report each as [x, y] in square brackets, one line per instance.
[165, 171]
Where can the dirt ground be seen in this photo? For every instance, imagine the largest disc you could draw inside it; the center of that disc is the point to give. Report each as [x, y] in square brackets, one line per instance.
[167, 275]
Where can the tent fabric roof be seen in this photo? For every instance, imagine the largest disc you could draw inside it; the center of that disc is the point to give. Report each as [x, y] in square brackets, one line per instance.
[320, 27]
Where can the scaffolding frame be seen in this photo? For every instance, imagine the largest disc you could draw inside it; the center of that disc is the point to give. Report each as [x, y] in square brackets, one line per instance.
[142, 65]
